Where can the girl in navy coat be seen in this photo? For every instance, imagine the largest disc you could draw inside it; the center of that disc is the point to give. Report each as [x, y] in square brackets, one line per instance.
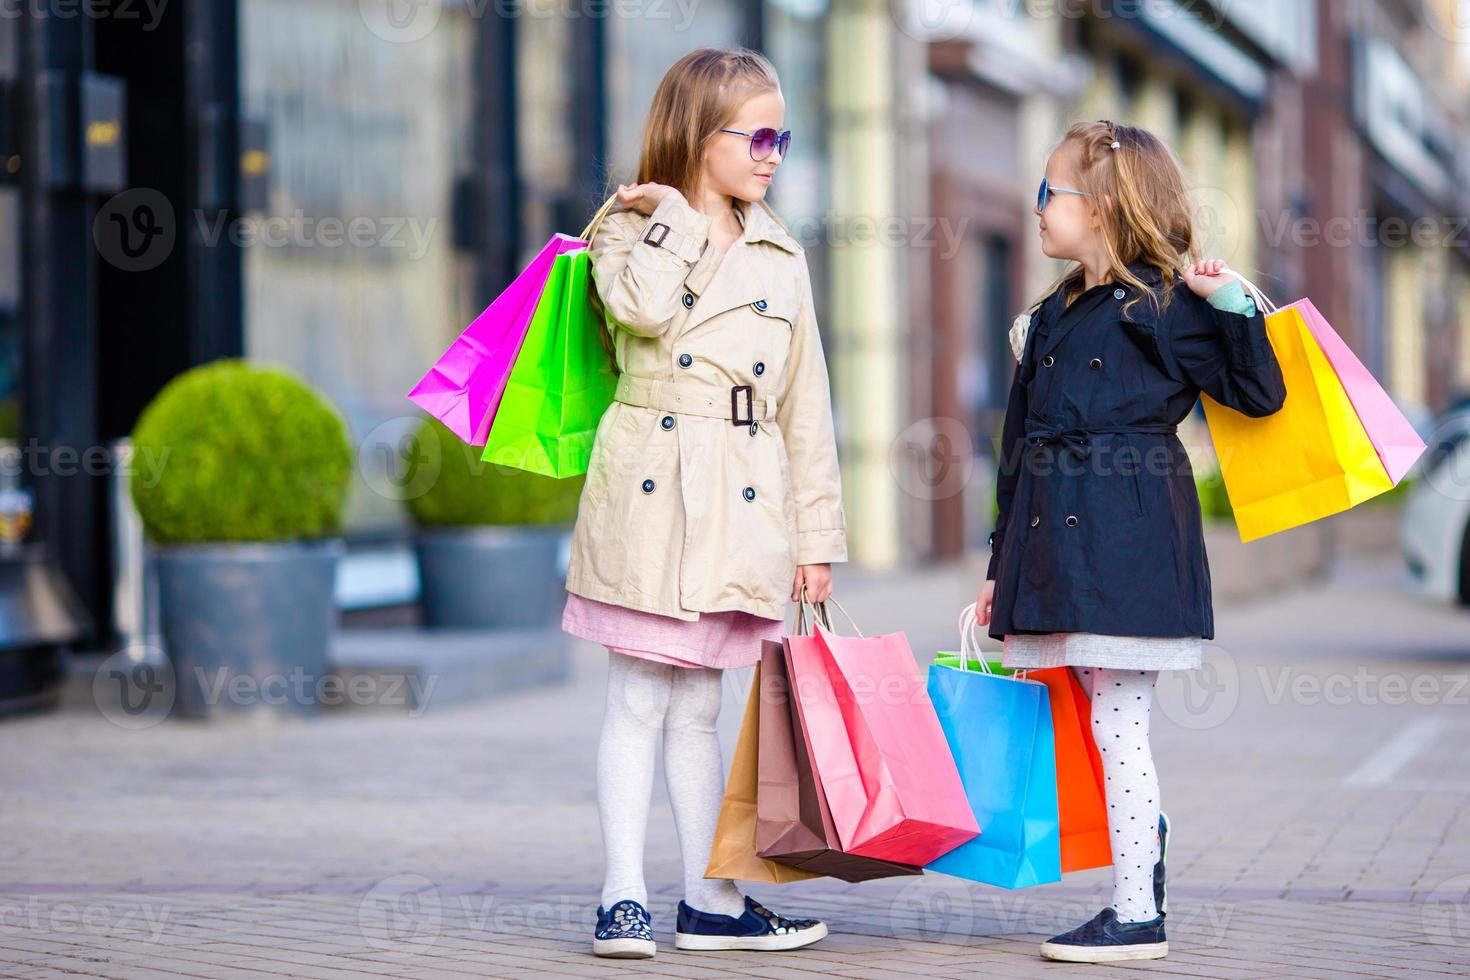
[1098, 558]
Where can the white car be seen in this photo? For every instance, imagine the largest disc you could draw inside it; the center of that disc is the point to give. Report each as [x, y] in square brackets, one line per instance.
[1435, 528]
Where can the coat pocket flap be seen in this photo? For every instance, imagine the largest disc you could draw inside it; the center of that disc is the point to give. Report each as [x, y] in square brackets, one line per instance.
[1146, 337]
[775, 308]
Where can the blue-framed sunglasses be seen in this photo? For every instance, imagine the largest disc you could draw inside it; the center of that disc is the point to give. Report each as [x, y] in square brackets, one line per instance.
[1046, 191]
[763, 141]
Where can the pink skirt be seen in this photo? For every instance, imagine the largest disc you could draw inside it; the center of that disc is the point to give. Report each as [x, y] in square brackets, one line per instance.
[730, 638]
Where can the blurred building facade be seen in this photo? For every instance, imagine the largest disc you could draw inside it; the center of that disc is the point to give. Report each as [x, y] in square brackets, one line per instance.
[347, 184]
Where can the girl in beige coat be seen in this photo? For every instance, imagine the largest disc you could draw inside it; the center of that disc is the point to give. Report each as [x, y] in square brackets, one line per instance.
[712, 496]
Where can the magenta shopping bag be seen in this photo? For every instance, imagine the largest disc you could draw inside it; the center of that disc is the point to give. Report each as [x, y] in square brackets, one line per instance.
[464, 386]
[878, 748]
[1394, 439]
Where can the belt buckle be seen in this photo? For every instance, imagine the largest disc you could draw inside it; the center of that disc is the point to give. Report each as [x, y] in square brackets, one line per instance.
[735, 404]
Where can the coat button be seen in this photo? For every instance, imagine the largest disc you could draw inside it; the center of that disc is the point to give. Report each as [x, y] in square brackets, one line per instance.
[760, 368]
[754, 427]
[648, 486]
[1095, 363]
[1048, 361]
[991, 540]
[760, 304]
[1035, 521]
[750, 493]
[688, 300]
[1071, 520]
[1119, 293]
[667, 422]
[685, 360]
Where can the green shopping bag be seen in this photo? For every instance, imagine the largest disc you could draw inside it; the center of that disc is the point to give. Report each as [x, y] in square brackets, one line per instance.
[951, 659]
[562, 383]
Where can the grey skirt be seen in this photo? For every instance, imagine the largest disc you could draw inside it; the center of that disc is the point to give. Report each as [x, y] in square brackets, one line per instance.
[1102, 650]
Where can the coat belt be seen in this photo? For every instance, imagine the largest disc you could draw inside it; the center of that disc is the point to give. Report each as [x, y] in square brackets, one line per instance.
[685, 398]
[1074, 438]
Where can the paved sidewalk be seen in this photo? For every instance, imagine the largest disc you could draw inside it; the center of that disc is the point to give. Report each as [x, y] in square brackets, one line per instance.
[1314, 773]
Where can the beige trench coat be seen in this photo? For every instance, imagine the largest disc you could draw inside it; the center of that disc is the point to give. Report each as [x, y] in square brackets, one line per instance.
[684, 511]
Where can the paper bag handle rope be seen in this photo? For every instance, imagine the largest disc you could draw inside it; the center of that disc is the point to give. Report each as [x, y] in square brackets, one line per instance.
[1263, 302]
[970, 624]
[802, 628]
[602, 212]
[821, 607]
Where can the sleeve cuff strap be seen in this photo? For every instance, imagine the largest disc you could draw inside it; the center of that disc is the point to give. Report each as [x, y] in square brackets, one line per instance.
[676, 227]
[821, 547]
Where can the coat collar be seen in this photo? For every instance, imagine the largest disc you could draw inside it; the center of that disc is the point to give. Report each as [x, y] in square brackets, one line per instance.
[1142, 313]
[724, 282]
[762, 225]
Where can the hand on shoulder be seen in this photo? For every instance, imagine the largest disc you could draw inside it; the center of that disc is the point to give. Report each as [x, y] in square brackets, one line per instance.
[644, 198]
[1206, 277]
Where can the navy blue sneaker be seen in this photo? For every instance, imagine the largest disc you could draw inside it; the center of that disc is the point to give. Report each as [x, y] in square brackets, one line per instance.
[1106, 940]
[756, 928]
[1161, 896]
[624, 931]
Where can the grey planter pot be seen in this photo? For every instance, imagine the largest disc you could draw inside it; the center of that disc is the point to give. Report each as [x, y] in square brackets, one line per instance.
[490, 577]
[247, 626]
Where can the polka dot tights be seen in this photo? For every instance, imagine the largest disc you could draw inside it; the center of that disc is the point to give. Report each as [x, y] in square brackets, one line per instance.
[1120, 707]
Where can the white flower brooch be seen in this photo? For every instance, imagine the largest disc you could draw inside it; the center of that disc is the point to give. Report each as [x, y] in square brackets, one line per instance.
[1019, 326]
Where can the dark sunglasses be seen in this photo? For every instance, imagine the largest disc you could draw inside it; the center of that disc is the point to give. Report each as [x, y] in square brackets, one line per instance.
[1045, 192]
[763, 141]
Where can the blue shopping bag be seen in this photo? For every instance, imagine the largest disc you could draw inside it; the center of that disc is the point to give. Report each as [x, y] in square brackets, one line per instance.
[999, 732]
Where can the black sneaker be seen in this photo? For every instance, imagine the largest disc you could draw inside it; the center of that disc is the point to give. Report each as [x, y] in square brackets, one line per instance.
[757, 928]
[1106, 940]
[1161, 896]
[624, 931]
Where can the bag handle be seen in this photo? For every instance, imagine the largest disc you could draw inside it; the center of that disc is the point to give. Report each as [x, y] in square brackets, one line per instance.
[817, 613]
[822, 608]
[969, 625]
[604, 335]
[1263, 303]
[601, 213]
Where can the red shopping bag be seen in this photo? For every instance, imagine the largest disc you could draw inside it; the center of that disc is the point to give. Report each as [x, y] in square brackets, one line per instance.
[1082, 807]
[877, 746]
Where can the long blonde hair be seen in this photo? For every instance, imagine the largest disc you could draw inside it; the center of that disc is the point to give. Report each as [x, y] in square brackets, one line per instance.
[698, 95]
[1139, 190]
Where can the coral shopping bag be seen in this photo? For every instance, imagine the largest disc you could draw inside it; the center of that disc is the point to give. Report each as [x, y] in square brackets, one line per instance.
[999, 730]
[732, 855]
[793, 822]
[1082, 802]
[877, 747]
[1337, 441]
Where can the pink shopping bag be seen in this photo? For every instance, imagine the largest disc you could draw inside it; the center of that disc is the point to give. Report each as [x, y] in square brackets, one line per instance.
[878, 748]
[464, 387]
[1394, 439]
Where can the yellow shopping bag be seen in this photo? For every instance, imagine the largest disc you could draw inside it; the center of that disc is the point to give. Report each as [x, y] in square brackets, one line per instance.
[1312, 458]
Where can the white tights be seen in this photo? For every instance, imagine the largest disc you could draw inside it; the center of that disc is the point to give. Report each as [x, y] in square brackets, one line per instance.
[1120, 707]
[643, 698]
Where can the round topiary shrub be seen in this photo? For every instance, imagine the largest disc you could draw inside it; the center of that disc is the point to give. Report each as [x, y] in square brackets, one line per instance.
[468, 491]
[231, 451]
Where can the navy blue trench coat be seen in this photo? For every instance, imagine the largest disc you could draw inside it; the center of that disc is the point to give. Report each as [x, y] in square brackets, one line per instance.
[1099, 529]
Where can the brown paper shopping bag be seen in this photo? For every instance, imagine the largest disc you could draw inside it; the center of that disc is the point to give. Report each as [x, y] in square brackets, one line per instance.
[733, 853]
[793, 824]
